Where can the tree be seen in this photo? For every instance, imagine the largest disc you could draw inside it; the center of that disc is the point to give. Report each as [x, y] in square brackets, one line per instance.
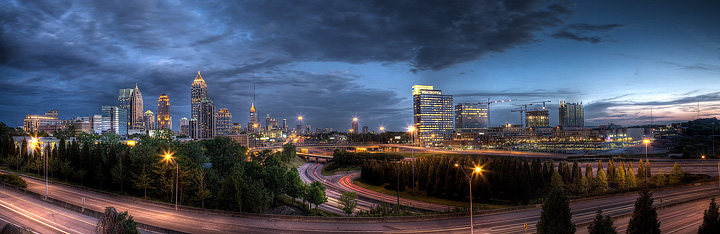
[295, 188]
[556, 182]
[555, 217]
[600, 182]
[202, 193]
[112, 222]
[676, 175]
[711, 220]
[316, 194]
[142, 181]
[644, 218]
[602, 224]
[118, 174]
[630, 179]
[349, 201]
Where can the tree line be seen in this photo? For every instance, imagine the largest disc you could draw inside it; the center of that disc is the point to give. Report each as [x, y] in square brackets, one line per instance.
[216, 173]
[510, 179]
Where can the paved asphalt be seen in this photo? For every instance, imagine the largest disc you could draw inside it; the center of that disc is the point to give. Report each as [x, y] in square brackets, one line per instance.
[509, 222]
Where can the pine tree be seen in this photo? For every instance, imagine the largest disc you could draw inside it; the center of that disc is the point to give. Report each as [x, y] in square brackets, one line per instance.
[555, 217]
[600, 183]
[630, 179]
[644, 218]
[676, 175]
[588, 172]
[620, 177]
[556, 181]
[602, 224]
[611, 172]
[641, 170]
[711, 220]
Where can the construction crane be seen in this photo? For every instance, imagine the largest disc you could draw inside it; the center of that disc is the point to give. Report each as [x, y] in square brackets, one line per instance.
[488, 107]
[522, 108]
[543, 102]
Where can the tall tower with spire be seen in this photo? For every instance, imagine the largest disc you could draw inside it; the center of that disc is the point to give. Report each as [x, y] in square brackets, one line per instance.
[198, 92]
[136, 109]
[253, 123]
[164, 120]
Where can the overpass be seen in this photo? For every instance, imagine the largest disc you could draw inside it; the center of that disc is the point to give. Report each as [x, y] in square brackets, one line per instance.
[315, 158]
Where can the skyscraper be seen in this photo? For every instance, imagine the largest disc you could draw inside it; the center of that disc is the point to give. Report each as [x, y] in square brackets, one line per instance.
[136, 110]
[470, 117]
[149, 119]
[206, 122]
[354, 127]
[253, 123]
[114, 119]
[285, 127]
[163, 112]
[198, 92]
[236, 128]
[223, 126]
[125, 102]
[571, 114]
[184, 126]
[537, 118]
[432, 115]
[365, 129]
[193, 129]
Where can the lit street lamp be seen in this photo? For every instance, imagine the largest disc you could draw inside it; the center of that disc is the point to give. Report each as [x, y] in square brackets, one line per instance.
[646, 141]
[469, 177]
[433, 149]
[412, 156]
[169, 158]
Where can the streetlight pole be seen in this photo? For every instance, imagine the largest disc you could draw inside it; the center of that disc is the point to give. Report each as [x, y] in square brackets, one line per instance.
[177, 178]
[647, 163]
[412, 157]
[169, 158]
[469, 178]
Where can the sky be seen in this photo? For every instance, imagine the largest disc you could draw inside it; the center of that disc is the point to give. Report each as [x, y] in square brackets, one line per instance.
[330, 61]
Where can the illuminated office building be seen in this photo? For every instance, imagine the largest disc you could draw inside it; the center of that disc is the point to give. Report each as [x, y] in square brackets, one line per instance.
[149, 119]
[432, 115]
[470, 117]
[198, 92]
[538, 118]
[206, 122]
[135, 112]
[184, 126]
[223, 123]
[164, 121]
[114, 119]
[571, 114]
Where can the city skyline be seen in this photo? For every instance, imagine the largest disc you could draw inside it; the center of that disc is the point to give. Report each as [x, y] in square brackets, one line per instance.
[619, 59]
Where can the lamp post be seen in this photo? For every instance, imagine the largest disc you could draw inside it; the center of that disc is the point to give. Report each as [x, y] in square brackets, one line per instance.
[469, 177]
[412, 157]
[433, 149]
[169, 158]
[646, 141]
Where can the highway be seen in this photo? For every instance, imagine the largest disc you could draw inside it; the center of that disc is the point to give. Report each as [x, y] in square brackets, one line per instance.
[507, 222]
[343, 183]
[40, 216]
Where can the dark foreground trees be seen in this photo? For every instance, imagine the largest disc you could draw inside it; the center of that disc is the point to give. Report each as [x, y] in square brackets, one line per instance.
[644, 219]
[602, 224]
[711, 220]
[113, 222]
[555, 217]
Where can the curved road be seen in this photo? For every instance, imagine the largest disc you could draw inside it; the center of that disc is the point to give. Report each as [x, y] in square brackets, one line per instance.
[674, 219]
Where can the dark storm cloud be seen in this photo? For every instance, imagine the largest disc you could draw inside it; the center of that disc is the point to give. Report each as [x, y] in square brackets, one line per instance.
[427, 34]
[578, 32]
[74, 55]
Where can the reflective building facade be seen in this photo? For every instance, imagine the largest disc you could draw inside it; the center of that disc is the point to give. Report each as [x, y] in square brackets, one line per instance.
[571, 114]
[432, 115]
[470, 117]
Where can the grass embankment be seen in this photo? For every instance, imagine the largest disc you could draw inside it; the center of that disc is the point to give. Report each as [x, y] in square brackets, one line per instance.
[421, 196]
[339, 169]
[294, 162]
